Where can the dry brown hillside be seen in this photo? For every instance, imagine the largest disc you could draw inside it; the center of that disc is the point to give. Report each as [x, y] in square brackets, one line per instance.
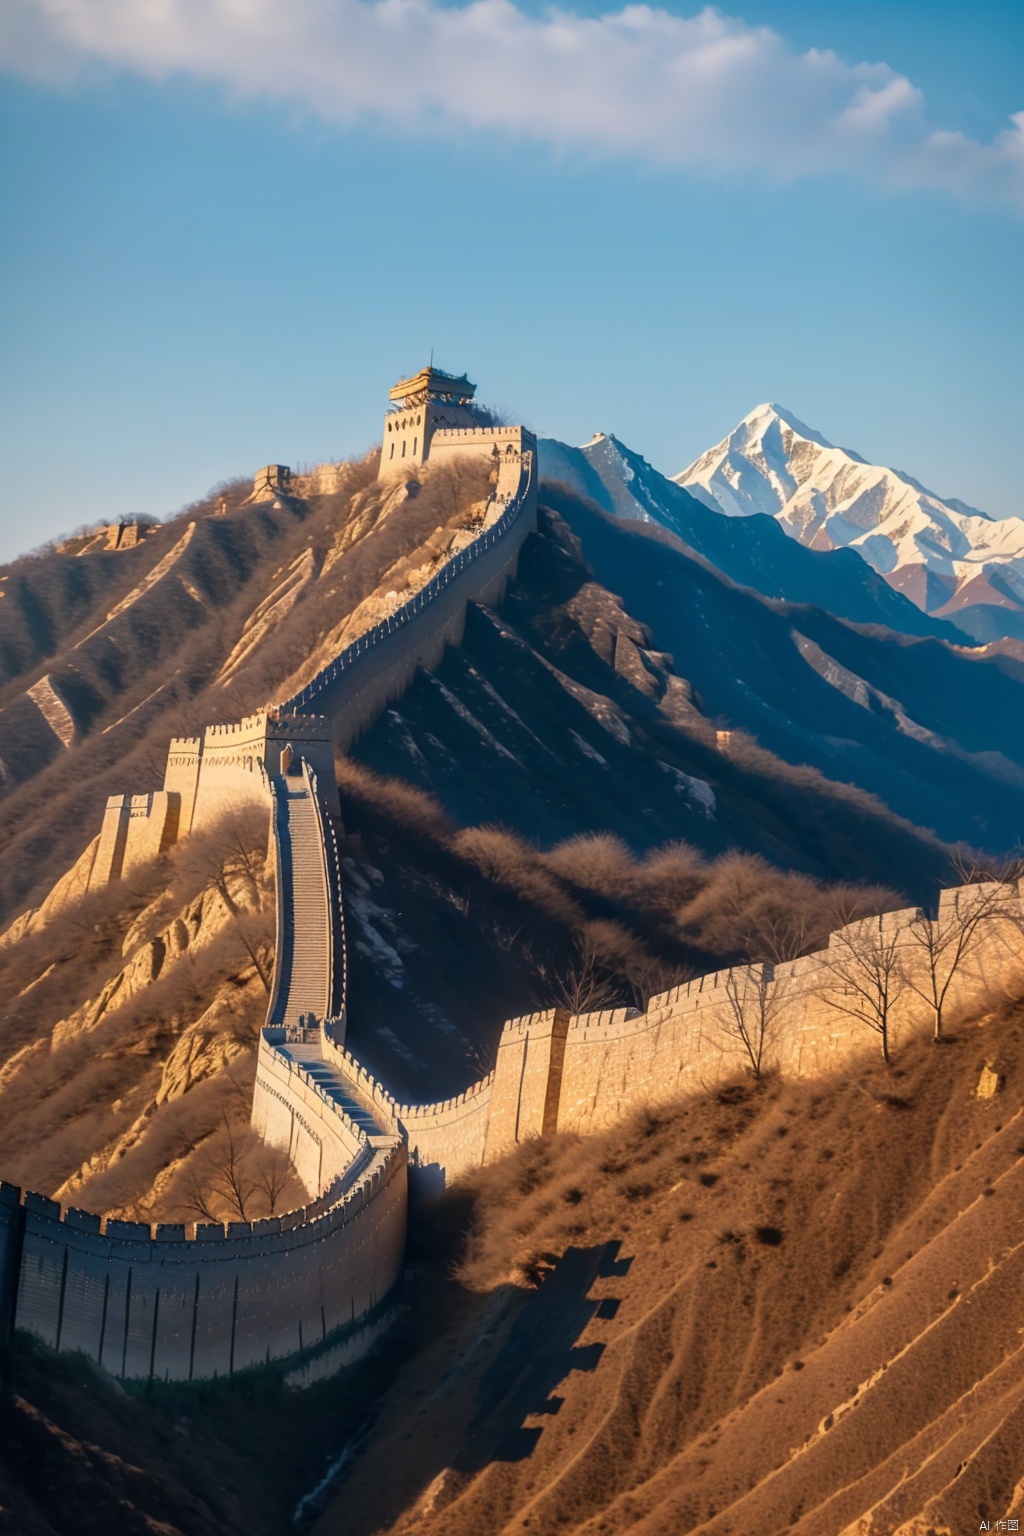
[795, 1308]
[105, 655]
[798, 1309]
[129, 1026]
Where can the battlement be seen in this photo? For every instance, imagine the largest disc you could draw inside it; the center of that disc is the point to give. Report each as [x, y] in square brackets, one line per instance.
[249, 725]
[432, 414]
[337, 1196]
[270, 723]
[365, 1087]
[510, 435]
[410, 1114]
[520, 1027]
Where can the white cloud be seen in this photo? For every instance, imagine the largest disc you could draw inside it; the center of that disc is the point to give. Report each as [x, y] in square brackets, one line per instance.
[707, 92]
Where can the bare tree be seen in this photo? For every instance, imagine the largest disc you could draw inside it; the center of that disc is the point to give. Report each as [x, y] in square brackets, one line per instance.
[458, 487]
[275, 1176]
[482, 1058]
[584, 985]
[230, 852]
[253, 932]
[865, 977]
[230, 859]
[197, 1199]
[955, 935]
[756, 997]
[776, 937]
[649, 974]
[221, 1177]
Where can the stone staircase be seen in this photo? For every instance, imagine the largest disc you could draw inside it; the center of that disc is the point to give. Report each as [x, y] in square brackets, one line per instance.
[310, 1059]
[304, 960]
[310, 943]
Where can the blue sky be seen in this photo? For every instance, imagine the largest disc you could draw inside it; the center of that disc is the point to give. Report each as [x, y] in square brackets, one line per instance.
[222, 245]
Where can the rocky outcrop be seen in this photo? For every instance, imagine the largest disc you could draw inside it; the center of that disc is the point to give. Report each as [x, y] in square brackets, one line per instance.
[71, 887]
[211, 980]
[208, 1046]
[274, 609]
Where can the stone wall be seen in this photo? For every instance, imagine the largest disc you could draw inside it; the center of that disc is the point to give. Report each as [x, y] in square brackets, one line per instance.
[181, 776]
[444, 1140]
[186, 1304]
[507, 441]
[377, 667]
[291, 1111]
[230, 764]
[448, 1139]
[135, 829]
[583, 1074]
[237, 760]
[206, 777]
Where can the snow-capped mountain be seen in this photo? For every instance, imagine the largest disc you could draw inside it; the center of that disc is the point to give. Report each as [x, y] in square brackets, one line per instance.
[949, 558]
[752, 551]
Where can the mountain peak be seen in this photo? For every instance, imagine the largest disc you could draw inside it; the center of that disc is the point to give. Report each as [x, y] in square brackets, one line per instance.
[943, 554]
[764, 415]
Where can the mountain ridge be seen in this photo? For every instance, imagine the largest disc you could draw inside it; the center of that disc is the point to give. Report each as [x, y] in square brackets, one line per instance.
[951, 559]
[753, 551]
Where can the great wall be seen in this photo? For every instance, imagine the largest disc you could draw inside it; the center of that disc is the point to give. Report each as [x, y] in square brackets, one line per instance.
[184, 1303]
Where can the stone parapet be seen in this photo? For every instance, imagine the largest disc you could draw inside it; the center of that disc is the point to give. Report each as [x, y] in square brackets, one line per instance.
[582, 1074]
[190, 1303]
[375, 668]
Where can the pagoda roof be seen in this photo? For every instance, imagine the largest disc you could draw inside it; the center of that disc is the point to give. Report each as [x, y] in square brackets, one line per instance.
[433, 381]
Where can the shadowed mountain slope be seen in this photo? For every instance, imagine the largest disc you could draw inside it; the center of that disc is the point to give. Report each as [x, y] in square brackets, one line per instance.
[752, 550]
[527, 722]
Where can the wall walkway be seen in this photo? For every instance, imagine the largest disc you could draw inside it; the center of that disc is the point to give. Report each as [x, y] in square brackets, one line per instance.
[375, 669]
[186, 1303]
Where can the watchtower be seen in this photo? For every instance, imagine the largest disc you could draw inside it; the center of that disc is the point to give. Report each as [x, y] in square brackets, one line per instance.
[419, 406]
[270, 481]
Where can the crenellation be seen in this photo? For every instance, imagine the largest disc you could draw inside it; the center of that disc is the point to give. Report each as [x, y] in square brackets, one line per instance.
[114, 1227]
[86, 1221]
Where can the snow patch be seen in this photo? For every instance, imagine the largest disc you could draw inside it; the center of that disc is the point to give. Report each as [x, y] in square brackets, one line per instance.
[698, 791]
[588, 750]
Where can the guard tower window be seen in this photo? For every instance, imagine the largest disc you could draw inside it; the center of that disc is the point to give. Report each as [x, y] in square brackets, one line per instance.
[414, 442]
